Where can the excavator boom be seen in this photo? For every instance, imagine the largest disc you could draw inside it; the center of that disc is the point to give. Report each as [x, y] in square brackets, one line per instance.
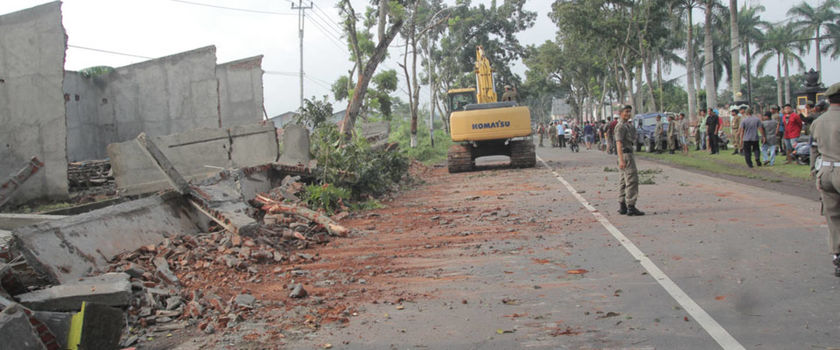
[484, 78]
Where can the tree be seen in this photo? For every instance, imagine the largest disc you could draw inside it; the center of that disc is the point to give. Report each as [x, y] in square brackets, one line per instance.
[833, 47]
[687, 6]
[811, 20]
[779, 42]
[367, 65]
[734, 39]
[708, 67]
[750, 25]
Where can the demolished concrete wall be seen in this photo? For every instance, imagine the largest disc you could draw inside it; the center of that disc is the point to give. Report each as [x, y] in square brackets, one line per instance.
[85, 132]
[195, 154]
[159, 97]
[65, 250]
[240, 91]
[32, 47]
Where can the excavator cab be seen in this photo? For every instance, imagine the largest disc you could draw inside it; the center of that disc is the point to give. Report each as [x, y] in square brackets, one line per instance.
[460, 98]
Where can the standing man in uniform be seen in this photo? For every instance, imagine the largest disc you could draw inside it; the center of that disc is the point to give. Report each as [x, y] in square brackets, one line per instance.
[672, 134]
[510, 95]
[552, 134]
[611, 134]
[735, 123]
[628, 184]
[541, 131]
[826, 133]
[659, 134]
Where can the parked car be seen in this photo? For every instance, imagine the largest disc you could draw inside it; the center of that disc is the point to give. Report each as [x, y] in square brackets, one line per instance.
[645, 126]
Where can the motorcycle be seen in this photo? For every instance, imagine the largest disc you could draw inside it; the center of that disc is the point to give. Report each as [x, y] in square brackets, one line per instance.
[723, 141]
[574, 143]
[802, 150]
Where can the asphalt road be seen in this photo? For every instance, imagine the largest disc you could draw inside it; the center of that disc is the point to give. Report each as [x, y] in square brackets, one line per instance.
[716, 264]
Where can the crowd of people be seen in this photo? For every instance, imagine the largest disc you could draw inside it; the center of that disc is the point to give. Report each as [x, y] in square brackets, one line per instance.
[759, 137]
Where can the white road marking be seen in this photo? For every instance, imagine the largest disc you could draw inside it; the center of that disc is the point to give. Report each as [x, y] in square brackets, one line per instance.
[721, 336]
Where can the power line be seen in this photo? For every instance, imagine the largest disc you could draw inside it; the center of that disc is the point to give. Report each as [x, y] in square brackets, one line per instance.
[333, 25]
[234, 8]
[109, 52]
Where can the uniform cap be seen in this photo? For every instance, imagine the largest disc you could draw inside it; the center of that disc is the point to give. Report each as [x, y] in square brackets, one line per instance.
[743, 107]
[833, 90]
[733, 108]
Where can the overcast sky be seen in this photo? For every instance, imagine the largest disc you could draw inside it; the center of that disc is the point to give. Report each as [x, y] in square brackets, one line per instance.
[154, 28]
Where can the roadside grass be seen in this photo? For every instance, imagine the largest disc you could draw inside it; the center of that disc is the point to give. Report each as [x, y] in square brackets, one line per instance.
[730, 164]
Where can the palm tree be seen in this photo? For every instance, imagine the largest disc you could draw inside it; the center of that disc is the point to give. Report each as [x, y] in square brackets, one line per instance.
[749, 30]
[812, 19]
[688, 6]
[782, 43]
[711, 87]
[833, 47]
[735, 84]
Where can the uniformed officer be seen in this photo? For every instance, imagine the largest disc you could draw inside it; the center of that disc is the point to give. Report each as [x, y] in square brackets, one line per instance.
[826, 133]
[509, 95]
[672, 134]
[736, 123]
[628, 184]
[659, 135]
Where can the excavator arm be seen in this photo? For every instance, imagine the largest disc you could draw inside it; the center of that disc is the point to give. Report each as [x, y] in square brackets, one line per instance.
[486, 92]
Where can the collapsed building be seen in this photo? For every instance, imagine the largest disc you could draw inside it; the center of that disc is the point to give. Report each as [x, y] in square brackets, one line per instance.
[198, 180]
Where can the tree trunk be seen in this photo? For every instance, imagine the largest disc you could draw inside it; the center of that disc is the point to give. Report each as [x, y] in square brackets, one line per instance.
[628, 82]
[648, 63]
[689, 68]
[708, 67]
[749, 70]
[659, 82]
[640, 95]
[779, 79]
[383, 11]
[787, 83]
[819, 61]
[365, 75]
[735, 85]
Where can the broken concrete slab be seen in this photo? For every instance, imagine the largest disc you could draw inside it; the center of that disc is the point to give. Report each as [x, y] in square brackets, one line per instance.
[13, 221]
[16, 332]
[58, 323]
[112, 289]
[67, 249]
[195, 154]
[240, 91]
[101, 327]
[295, 145]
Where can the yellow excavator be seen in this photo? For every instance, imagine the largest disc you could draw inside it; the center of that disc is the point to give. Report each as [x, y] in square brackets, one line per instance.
[482, 126]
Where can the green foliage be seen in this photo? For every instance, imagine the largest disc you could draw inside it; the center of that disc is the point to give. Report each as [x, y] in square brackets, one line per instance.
[340, 88]
[354, 165]
[326, 197]
[424, 152]
[95, 71]
[315, 112]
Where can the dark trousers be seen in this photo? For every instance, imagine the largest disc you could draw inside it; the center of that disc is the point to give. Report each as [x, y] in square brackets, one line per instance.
[713, 142]
[562, 140]
[751, 148]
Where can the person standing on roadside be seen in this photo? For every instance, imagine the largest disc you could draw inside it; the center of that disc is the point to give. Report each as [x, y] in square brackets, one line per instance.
[712, 128]
[684, 133]
[672, 134]
[561, 134]
[552, 134]
[701, 130]
[588, 135]
[628, 183]
[793, 129]
[659, 134]
[780, 135]
[735, 124]
[768, 147]
[541, 131]
[749, 130]
[826, 133]
[611, 134]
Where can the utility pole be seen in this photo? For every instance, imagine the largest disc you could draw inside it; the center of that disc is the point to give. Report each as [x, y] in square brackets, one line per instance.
[301, 16]
[431, 92]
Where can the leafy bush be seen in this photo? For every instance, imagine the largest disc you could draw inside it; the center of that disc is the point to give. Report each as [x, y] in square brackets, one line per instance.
[326, 196]
[424, 152]
[354, 165]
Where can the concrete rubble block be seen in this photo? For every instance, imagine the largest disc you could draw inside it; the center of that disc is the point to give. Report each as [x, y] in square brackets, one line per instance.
[112, 289]
[57, 322]
[67, 249]
[11, 221]
[32, 101]
[196, 154]
[16, 331]
[102, 327]
[295, 145]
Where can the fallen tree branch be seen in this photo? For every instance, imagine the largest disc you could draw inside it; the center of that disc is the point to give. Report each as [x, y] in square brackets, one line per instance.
[272, 206]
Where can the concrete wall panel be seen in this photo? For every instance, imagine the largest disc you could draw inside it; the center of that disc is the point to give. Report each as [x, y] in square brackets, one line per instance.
[32, 48]
[240, 91]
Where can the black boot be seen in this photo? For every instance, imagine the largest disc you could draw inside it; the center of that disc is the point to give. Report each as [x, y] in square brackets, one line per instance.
[837, 266]
[622, 209]
[632, 211]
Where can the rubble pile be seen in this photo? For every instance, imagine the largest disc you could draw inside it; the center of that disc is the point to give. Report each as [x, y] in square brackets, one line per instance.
[91, 173]
[193, 279]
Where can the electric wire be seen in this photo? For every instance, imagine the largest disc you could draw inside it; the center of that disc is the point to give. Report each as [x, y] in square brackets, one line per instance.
[235, 8]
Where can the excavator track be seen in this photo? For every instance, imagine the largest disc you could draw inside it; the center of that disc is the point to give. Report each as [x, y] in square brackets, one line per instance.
[459, 158]
[522, 154]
